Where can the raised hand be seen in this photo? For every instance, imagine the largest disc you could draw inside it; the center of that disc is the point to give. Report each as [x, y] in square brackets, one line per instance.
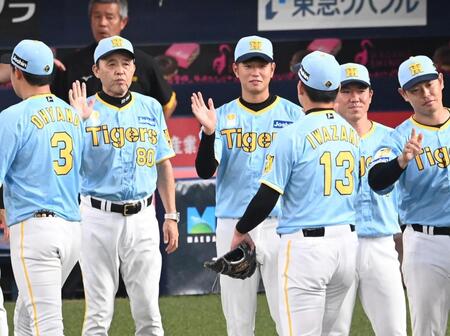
[412, 148]
[206, 115]
[78, 100]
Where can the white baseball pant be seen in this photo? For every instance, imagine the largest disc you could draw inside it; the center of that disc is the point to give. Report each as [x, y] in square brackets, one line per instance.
[3, 317]
[426, 271]
[315, 276]
[113, 243]
[43, 253]
[378, 282]
[239, 297]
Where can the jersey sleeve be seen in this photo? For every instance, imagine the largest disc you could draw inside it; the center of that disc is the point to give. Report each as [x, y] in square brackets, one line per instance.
[10, 140]
[389, 148]
[279, 161]
[165, 147]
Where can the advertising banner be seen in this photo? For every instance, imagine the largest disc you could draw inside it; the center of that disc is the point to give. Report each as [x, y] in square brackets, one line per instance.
[183, 270]
[329, 14]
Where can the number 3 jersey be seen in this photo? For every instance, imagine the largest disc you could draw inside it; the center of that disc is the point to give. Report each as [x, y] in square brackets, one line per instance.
[40, 158]
[314, 165]
[122, 147]
[243, 138]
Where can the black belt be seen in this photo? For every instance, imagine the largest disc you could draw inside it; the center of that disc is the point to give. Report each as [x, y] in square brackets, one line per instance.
[432, 230]
[44, 213]
[319, 232]
[125, 209]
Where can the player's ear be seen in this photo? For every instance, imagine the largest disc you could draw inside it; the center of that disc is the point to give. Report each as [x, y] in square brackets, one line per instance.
[95, 70]
[272, 66]
[17, 73]
[403, 94]
[441, 80]
[235, 69]
[300, 88]
[123, 23]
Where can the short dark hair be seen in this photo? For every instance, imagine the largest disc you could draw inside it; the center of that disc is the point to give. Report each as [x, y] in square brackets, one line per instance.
[123, 6]
[358, 84]
[319, 96]
[36, 80]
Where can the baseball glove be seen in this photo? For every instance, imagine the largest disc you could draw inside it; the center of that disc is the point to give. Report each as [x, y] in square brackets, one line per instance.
[239, 263]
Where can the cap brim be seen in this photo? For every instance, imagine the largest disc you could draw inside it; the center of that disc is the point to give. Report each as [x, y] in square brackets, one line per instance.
[358, 81]
[115, 51]
[248, 56]
[5, 58]
[427, 77]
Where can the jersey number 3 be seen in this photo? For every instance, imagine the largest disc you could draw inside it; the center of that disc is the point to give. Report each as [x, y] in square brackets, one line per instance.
[343, 159]
[64, 142]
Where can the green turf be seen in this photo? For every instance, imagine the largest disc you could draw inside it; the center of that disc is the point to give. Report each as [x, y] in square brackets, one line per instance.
[187, 316]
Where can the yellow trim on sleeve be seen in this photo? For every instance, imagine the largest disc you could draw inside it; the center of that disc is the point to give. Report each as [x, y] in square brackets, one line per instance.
[27, 279]
[169, 105]
[285, 289]
[165, 158]
[272, 186]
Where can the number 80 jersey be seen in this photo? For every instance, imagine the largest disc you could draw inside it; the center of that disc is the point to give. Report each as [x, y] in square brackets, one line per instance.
[314, 164]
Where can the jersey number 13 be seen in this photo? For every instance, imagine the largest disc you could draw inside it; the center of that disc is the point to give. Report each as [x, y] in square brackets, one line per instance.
[343, 159]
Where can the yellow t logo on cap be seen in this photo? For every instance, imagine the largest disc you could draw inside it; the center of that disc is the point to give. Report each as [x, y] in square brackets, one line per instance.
[116, 42]
[255, 45]
[415, 69]
[351, 72]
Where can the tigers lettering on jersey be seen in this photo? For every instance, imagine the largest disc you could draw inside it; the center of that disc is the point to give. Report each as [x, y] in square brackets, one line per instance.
[322, 135]
[247, 141]
[118, 135]
[49, 115]
[437, 156]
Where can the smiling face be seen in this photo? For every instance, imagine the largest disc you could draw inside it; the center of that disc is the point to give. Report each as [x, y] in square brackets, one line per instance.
[425, 97]
[106, 20]
[254, 75]
[115, 71]
[353, 101]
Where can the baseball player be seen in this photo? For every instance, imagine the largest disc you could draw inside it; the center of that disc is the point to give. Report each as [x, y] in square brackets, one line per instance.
[40, 159]
[416, 155]
[125, 157]
[378, 280]
[314, 165]
[236, 139]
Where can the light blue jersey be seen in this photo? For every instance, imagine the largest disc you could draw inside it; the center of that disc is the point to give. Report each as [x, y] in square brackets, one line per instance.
[40, 158]
[377, 214]
[424, 188]
[243, 138]
[122, 147]
[314, 165]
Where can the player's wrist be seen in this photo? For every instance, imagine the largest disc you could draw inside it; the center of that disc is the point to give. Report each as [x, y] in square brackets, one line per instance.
[208, 130]
[402, 162]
